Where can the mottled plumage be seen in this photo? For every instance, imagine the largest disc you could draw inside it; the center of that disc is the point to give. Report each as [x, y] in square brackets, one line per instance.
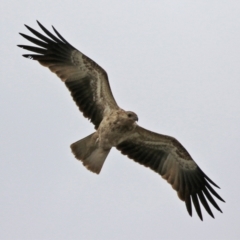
[115, 127]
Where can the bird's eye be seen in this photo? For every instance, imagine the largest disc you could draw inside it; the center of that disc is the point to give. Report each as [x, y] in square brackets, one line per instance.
[129, 115]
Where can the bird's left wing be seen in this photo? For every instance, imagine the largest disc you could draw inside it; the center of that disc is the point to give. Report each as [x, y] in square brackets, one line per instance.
[86, 80]
[166, 156]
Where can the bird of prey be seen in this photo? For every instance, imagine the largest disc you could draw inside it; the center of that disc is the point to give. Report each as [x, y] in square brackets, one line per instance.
[115, 127]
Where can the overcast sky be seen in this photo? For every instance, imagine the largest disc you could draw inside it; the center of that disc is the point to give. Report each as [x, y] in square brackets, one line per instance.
[175, 63]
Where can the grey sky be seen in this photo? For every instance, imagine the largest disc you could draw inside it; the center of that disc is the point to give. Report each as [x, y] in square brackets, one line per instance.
[174, 63]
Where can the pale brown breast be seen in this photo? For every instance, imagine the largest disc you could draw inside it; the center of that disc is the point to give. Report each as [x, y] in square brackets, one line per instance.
[114, 128]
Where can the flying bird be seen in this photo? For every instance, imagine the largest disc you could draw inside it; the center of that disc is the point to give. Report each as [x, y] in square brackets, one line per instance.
[115, 127]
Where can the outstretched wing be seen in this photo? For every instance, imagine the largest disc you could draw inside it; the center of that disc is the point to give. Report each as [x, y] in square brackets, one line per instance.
[86, 80]
[166, 156]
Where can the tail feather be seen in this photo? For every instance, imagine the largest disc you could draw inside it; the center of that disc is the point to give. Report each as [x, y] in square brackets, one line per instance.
[88, 151]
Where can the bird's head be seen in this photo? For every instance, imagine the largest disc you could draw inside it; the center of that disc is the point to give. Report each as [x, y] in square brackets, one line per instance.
[131, 115]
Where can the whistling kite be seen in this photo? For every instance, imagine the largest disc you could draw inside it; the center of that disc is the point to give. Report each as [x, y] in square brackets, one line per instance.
[115, 127]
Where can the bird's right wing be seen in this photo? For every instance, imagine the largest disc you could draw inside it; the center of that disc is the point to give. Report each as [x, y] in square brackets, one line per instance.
[86, 80]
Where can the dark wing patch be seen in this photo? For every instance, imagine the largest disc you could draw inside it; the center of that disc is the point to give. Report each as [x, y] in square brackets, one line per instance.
[157, 153]
[86, 80]
[83, 98]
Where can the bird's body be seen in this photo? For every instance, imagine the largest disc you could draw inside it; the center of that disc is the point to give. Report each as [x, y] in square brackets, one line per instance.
[115, 127]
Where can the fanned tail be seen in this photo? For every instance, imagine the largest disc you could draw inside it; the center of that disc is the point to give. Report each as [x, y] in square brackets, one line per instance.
[87, 150]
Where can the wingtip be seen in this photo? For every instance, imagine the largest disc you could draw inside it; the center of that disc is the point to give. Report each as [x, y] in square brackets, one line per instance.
[200, 217]
[28, 56]
[21, 46]
[55, 30]
[39, 24]
[190, 214]
[211, 215]
[29, 28]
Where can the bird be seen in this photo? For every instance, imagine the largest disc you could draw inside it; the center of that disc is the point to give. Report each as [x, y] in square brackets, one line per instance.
[114, 127]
